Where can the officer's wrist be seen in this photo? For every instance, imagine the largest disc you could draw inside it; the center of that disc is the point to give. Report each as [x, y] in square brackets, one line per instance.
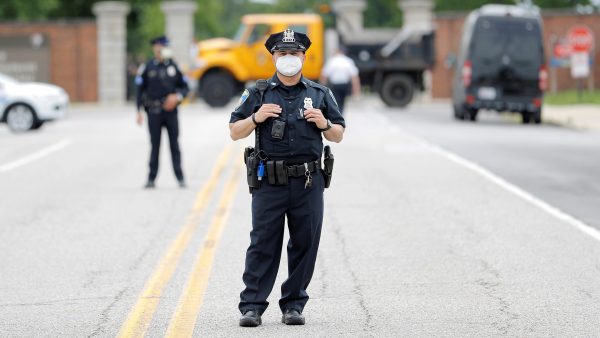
[327, 127]
[253, 118]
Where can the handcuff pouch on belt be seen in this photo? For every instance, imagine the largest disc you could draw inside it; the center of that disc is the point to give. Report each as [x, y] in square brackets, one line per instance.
[277, 172]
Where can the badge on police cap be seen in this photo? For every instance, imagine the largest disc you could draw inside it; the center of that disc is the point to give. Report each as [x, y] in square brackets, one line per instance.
[288, 36]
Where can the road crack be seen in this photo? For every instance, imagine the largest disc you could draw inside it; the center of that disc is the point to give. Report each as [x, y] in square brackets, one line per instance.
[490, 286]
[104, 315]
[357, 288]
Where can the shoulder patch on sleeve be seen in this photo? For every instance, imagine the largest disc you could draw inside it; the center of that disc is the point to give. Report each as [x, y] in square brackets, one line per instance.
[243, 98]
[332, 97]
[141, 69]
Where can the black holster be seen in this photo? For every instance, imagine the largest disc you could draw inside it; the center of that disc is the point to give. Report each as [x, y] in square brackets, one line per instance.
[328, 166]
[251, 160]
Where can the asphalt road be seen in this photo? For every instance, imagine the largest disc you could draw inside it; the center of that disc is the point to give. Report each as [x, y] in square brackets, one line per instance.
[432, 228]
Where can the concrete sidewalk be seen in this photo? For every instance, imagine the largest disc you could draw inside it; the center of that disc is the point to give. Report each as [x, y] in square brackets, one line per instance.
[583, 117]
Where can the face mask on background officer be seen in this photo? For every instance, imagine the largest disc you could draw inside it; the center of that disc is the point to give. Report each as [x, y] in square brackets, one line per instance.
[162, 52]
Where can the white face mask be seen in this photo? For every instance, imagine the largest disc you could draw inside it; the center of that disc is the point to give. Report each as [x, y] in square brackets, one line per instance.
[166, 53]
[289, 65]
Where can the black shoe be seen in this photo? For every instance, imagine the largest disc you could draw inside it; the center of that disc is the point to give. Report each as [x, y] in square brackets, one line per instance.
[292, 317]
[182, 184]
[149, 185]
[250, 318]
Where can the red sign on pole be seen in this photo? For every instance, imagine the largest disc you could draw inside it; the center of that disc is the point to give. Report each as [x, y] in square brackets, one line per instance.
[562, 51]
[581, 38]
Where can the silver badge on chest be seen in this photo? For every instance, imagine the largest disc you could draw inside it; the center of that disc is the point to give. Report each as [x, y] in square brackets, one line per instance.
[308, 104]
[171, 71]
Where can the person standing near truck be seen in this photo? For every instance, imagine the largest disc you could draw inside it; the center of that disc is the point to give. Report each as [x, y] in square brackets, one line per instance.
[289, 115]
[341, 75]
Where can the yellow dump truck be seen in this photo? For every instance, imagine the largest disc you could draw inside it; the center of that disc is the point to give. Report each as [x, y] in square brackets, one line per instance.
[224, 66]
[391, 61]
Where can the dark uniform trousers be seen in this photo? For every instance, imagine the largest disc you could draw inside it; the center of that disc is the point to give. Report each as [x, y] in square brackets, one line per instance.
[155, 124]
[304, 211]
[340, 92]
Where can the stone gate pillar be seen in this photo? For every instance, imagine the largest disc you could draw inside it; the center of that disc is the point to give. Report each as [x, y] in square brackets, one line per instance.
[349, 15]
[179, 21]
[418, 14]
[112, 37]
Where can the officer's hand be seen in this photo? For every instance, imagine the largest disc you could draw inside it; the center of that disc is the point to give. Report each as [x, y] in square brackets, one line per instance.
[316, 116]
[171, 102]
[139, 119]
[267, 110]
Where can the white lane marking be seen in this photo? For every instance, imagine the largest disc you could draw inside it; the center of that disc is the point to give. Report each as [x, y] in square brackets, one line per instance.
[571, 220]
[35, 156]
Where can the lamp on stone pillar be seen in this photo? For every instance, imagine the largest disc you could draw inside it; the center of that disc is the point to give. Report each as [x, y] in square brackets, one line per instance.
[179, 21]
[349, 15]
[112, 38]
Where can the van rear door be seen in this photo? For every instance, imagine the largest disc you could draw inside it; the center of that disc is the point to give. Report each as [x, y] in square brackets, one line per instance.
[506, 54]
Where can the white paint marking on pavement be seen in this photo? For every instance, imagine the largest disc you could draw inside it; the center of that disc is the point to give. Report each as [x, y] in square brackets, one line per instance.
[571, 220]
[35, 156]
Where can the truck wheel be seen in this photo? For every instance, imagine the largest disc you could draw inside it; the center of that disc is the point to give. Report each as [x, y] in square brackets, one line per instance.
[20, 117]
[217, 89]
[397, 90]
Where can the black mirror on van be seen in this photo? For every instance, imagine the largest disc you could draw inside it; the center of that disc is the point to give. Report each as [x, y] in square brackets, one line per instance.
[451, 61]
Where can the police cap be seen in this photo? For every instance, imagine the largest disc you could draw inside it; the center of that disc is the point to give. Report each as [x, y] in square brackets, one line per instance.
[287, 40]
[161, 40]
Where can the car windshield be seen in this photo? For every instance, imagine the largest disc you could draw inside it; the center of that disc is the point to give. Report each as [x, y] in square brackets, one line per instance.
[240, 32]
[518, 39]
[7, 79]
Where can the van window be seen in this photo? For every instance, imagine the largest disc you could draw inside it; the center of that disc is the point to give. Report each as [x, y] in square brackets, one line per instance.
[518, 39]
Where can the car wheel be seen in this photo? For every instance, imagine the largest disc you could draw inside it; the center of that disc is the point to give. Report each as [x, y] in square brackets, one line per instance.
[459, 113]
[526, 117]
[38, 124]
[20, 118]
[397, 90]
[217, 89]
[471, 114]
[537, 117]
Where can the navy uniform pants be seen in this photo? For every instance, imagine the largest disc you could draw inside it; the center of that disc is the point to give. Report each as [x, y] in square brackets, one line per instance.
[155, 124]
[304, 211]
[340, 92]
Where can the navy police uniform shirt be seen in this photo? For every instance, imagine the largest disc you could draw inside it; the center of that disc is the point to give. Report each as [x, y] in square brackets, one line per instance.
[157, 79]
[302, 140]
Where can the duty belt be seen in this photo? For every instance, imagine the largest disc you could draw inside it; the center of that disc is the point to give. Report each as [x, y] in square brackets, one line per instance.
[299, 170]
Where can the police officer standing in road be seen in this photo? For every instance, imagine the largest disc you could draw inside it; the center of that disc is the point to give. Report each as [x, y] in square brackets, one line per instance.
[160, 89]
[289, 115]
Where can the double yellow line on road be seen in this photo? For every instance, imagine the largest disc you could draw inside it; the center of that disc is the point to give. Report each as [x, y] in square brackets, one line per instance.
[183, 321]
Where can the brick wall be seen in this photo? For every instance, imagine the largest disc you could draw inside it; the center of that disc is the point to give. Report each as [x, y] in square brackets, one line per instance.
[73, 54]
[556, 23]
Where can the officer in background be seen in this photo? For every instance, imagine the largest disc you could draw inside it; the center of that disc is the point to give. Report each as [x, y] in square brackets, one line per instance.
[160, 89]
[341, 75]
[291, 115]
